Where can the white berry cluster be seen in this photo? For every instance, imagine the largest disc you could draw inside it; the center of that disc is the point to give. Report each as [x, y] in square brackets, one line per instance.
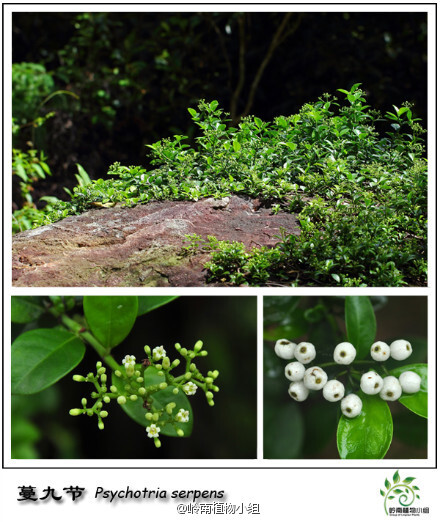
[303, 379]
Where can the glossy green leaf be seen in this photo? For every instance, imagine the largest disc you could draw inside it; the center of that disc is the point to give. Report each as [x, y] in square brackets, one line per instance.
[152, 377]
[416, 402]
[110, 318]
[283, 431]
[25, 309]
[369, 435]
[136, 410]
[42, 357]
[360, 323]
[148, 303]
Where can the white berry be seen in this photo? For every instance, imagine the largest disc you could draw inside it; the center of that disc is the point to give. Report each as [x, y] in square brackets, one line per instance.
[333, 391]
[410, 382]
[344, 353]
[391, 389]
[315, 378]
[294, 371]
[305, 352]
[298, 391]
[400, 350]
[351, 406]
[285, 349]
[371, 383]
[380, 351]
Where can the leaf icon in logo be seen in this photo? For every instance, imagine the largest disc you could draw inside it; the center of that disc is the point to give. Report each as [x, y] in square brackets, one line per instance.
[387, 484]
[396, 477]
[408, 480]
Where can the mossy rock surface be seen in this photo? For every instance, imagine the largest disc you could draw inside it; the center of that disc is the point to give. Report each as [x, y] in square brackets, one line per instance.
[140, 246]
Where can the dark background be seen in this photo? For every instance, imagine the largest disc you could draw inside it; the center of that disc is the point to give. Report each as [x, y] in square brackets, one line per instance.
[136, 73]
[226, 325]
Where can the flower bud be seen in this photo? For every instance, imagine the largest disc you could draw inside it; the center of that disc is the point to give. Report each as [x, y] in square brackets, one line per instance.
[103, 414]
[133, 398]
[78, 378]
[198, 346]
[121, 400]
[75, 411]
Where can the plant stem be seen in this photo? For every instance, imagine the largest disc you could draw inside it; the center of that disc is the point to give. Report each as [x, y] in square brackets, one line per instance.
[86, 336]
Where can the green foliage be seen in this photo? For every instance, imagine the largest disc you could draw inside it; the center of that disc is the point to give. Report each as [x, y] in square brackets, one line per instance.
[31, 84]
[360, 322]
[148, 392]
[360, 194]
[369, 435]
[42, 357]
[319, 426]
[110, 320]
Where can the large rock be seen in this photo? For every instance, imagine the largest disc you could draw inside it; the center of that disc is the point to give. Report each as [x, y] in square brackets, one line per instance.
[140, 246]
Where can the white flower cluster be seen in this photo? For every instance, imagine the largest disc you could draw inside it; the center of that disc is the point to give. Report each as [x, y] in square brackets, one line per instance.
[315, 378]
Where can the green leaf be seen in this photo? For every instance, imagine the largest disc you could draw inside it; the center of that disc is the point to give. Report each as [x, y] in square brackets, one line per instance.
[148, 303]
[42, 357]
[360, 323]
[408, 480]
[136, 411]
[213, 105]
[396, 478]
[387, 484]
[237, 146]
[369, 435]
[398, 490]
[382, 493]
[110, 318]
[152, 377]
[26, 309]
[416, 402]
[193, 112]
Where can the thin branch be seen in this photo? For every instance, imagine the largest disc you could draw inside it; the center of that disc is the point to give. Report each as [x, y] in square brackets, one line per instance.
[277, 39]
[241, 69]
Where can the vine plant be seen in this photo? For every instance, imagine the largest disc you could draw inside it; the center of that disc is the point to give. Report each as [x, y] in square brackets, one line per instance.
[151, 392]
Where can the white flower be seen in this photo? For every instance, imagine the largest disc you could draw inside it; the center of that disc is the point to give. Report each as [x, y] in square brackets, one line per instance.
[380, 351]
[294, 371]
[305, 352]
[315, 378]
[285, 349]
[153, 431]
[344, 353]
[371, 383]
[190, 388]
[391, 389]
[400, 350]
[410, 382]
[182, 415]
[298, 391]
[129, 360]
[333, 391]
[351, 406]
[159, 353]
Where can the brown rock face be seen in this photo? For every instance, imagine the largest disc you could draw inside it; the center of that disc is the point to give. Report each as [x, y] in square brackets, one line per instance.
[139, 246]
